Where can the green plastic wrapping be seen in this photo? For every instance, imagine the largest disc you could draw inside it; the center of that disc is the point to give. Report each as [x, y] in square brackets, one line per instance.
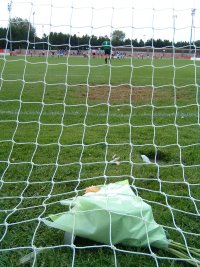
[113, 215]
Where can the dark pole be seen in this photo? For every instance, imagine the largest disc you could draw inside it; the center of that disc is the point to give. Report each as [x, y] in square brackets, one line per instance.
[78, 42]
[43, 37]
[9, 10]
[34, 31]
[192, 14]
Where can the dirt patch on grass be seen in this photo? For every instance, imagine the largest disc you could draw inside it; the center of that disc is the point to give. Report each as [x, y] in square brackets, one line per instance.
[138, 95]
[120, 94]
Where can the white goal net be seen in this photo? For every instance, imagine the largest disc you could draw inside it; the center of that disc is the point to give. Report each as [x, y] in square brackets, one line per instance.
[99, 93]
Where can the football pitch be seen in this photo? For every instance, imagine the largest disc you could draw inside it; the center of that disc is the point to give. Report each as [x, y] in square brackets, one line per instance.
[61, 122]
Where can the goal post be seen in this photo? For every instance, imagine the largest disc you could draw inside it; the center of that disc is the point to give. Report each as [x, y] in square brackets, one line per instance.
[99, 108]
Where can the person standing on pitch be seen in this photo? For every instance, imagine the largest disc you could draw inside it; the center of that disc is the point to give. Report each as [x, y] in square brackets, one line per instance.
[106, 46]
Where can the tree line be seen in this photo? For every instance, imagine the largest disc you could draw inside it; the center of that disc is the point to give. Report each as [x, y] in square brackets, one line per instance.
[23, 36]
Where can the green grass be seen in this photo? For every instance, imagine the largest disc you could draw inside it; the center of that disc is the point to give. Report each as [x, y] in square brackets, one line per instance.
[62, 119]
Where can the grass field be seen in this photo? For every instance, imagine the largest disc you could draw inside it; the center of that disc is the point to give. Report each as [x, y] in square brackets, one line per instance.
[61, 122]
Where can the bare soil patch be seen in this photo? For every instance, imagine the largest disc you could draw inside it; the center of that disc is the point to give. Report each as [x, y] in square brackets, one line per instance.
[120, 94]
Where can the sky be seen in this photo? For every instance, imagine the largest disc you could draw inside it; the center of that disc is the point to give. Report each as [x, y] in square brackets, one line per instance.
[138, 19]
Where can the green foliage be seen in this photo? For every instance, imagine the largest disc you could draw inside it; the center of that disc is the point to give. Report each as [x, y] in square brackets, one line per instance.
[118, 37]
[23, 32]
[3, 34]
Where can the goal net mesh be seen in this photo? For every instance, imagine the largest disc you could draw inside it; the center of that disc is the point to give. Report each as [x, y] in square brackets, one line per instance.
[69, 121]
